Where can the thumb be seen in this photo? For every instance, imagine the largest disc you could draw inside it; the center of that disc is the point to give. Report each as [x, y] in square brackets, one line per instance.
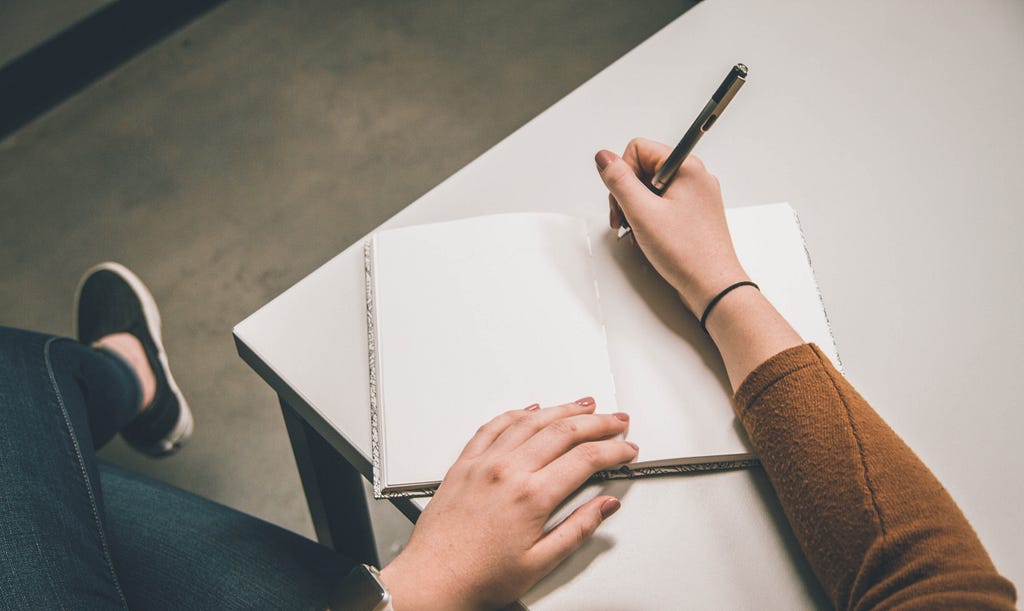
[623, 183]
[574, 531]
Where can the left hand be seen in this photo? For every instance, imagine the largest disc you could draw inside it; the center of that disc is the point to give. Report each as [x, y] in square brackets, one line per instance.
[480, 542]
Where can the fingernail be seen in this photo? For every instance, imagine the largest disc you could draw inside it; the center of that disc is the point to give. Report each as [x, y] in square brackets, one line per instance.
[609, 507]
[622, 416]
[603, 158]
[632, 445]
[585, 401]
[533, 407]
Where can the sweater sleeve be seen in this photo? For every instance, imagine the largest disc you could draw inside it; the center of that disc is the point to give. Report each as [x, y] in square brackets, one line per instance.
[877, 527]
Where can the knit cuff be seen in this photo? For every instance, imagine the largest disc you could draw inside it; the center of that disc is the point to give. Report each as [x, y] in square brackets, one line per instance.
[774, 369]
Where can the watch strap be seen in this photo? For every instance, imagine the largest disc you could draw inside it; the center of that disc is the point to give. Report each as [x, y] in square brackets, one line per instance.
[361, 590]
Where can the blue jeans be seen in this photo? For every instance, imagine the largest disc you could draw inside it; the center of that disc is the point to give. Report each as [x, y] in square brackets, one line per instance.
[79, 534]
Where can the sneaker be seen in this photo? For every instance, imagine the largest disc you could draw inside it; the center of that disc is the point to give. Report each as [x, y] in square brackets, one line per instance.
[111, 299]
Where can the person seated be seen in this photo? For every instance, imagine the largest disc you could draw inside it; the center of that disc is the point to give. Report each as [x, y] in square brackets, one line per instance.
[876, 526]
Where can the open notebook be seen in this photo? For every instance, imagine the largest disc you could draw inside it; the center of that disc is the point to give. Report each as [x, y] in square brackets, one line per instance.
[474, 317]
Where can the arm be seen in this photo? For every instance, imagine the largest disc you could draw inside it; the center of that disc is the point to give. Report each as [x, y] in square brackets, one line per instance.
[875, 524]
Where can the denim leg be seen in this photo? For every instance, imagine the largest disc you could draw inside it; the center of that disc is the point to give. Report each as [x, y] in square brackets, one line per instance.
[67, 544]
[54, 552]
[176, 550]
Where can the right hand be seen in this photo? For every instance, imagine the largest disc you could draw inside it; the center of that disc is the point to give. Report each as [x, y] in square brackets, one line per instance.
[683, 232]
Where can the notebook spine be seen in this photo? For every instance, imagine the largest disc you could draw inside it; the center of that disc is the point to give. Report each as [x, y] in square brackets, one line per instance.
[371, 346]
[655, 470]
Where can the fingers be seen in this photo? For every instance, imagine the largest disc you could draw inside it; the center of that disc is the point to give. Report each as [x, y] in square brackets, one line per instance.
[554, 483]
[645, 156]
[570, 470]
[693, 163]
[621, 180]
[515, 426]
[614, 213]
[627, 177]
[486, 434]
[562, 435]
[525, 427]
[692, 169]
[573, 532]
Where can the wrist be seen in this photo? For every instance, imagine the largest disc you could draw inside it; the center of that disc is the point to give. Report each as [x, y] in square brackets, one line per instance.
[748, 330]
[419, 589]
[699, 292]
[404, 594]
[722, 295]
[732, 309]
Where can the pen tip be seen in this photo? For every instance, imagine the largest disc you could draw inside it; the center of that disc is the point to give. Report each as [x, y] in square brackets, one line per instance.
[741, 68]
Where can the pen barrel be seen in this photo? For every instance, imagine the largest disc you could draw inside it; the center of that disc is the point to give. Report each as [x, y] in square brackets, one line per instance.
[707, 117]
[668, 170]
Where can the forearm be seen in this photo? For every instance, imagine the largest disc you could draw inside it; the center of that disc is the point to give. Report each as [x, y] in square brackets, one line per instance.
[875, 524]
[747, 329]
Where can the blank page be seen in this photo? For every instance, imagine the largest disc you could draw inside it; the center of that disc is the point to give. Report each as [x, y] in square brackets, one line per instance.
[476, 317]
[669, 376]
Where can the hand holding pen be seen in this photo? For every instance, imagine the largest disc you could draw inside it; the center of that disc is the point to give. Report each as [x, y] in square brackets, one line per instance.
[707, 117]
[683, 233]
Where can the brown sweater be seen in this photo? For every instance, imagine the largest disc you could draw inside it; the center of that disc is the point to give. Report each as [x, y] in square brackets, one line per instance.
[877, 527]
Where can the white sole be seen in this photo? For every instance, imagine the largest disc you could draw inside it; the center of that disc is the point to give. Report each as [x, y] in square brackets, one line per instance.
[183, 427]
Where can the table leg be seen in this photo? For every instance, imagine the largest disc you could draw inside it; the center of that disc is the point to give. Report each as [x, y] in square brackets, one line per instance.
[334, 492]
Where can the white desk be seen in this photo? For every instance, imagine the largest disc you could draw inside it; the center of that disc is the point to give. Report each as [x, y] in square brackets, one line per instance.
[895, 130]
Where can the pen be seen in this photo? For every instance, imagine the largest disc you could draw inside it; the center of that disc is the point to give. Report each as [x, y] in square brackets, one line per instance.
[707, 117]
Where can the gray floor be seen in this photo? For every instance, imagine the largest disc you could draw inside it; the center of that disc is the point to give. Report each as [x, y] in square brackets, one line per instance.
[26, 23]
[234, 157]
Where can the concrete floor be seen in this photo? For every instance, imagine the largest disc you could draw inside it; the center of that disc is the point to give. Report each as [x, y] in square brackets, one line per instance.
[27, 23]
[237, 155]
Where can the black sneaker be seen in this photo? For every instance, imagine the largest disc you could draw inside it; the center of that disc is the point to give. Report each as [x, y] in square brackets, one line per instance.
[111, 299]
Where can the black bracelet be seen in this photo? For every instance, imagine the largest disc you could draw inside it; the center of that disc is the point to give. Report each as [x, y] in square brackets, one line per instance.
[718, 297]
